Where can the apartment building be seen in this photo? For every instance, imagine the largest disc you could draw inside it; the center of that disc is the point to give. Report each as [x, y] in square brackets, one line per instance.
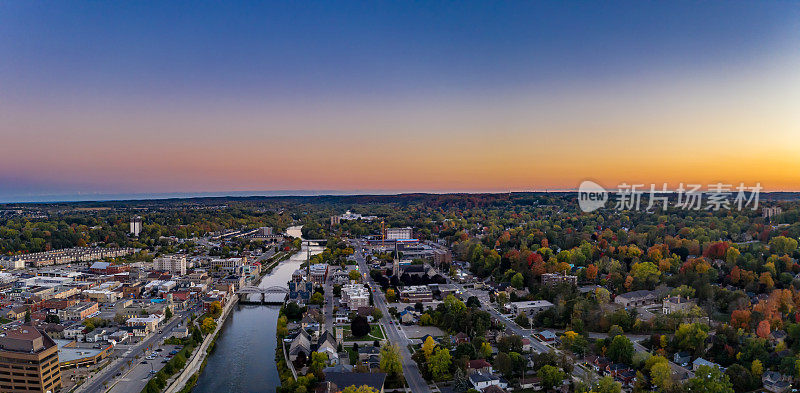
[175, 264]
[398, 233]
[355, 296]
[552, 279]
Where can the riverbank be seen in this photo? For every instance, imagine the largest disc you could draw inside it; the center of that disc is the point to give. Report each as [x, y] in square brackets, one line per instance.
[250, 334]
[194, 366]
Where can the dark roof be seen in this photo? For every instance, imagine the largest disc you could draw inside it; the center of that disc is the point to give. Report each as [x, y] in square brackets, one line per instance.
[345, 379]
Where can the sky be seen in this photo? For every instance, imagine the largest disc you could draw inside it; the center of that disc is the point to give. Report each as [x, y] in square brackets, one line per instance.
[197, 98]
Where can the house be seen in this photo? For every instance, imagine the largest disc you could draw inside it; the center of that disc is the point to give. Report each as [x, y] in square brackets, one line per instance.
[626, 378]
[676, 304]
[682, 358]
[697, 363]
[597, 363]
[776, 382]
[479, 365]
[327, 343]
[533, 383]
[461, 338]
[635, 298]
[481, 380]
[615, 369]
[407, 317]
[301, 343]
[526, 345]
[546, 336]
[493, 389]
[342, 380]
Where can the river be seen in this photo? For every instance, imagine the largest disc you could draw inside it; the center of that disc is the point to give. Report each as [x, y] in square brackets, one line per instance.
[244, 357]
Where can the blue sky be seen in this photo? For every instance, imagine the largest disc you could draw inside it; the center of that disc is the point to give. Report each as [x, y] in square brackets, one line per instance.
[81, 69]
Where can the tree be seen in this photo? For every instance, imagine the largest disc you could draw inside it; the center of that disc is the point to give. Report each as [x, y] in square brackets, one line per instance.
[756, 368]
[782, 245]
[709, 380]
[208, 325]
[354, 275]
[167, 313]
[215, 309]
[461, 383]
[691, 337]
[502, 362]
[486, 350]
[517, 280]
[27, 317]
[317, 299]
[645, 273]
[390, 295]
[591, 272]
[52, 318]
[607, 384]
[318, 362]
[661, 375]
[377, 314]
[391, 360]
[763, 329]
[439, 364]
[550, 376]
[359, 326]
[620, 350]
[428, 346]
[360, 389]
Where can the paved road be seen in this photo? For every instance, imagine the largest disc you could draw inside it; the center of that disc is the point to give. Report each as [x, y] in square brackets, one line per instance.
[410, 370]
[134, 380]
[328, 310]
[107, 374]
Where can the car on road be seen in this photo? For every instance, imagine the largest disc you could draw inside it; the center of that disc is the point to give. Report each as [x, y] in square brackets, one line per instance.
[159, 349]
[144, 362]
[118, 374]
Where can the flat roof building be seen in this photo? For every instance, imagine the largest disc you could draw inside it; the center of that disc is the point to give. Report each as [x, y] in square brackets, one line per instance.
[28, 361]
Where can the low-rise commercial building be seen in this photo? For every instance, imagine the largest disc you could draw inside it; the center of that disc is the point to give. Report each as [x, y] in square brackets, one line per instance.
[530, 308]
[415, 293]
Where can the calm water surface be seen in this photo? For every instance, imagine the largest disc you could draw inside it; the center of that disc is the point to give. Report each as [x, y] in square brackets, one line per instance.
[244, 358]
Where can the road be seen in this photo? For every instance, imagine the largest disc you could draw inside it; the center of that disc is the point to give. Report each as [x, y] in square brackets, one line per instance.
[511, 327]
[328, 309]
[414, 379]
[107, 374]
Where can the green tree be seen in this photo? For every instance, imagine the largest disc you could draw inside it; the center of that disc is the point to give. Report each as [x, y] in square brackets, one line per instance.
[317, 298]
[691, 337]
[517, 281]
[621, 350]
[645, 273]
[439, 364]
[607, 384]
[391, 360]
[709, 380]
[168, 313]
[550, 376]
[354, 275]
[661, 375]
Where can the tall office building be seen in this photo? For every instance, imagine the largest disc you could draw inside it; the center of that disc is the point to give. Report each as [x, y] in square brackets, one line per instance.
[398, 233]
[28, 361]
[136, 225]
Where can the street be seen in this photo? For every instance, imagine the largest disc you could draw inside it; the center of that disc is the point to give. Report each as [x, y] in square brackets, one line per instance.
[410, 370]
[97, 382]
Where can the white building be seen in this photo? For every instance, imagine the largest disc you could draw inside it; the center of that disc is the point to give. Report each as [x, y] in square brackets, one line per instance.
[136, 225]
[531, 307]
[229, 264]
[175, 264]
[355, 296]
[399, 233]
[12, 263]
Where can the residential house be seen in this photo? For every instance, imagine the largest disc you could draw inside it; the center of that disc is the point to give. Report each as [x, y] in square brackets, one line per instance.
[635, 298]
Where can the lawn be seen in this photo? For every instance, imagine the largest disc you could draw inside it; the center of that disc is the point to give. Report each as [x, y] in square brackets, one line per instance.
[375, 333]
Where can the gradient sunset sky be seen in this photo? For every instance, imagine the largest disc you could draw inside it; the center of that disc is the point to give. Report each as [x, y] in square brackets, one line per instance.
[149, 97]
